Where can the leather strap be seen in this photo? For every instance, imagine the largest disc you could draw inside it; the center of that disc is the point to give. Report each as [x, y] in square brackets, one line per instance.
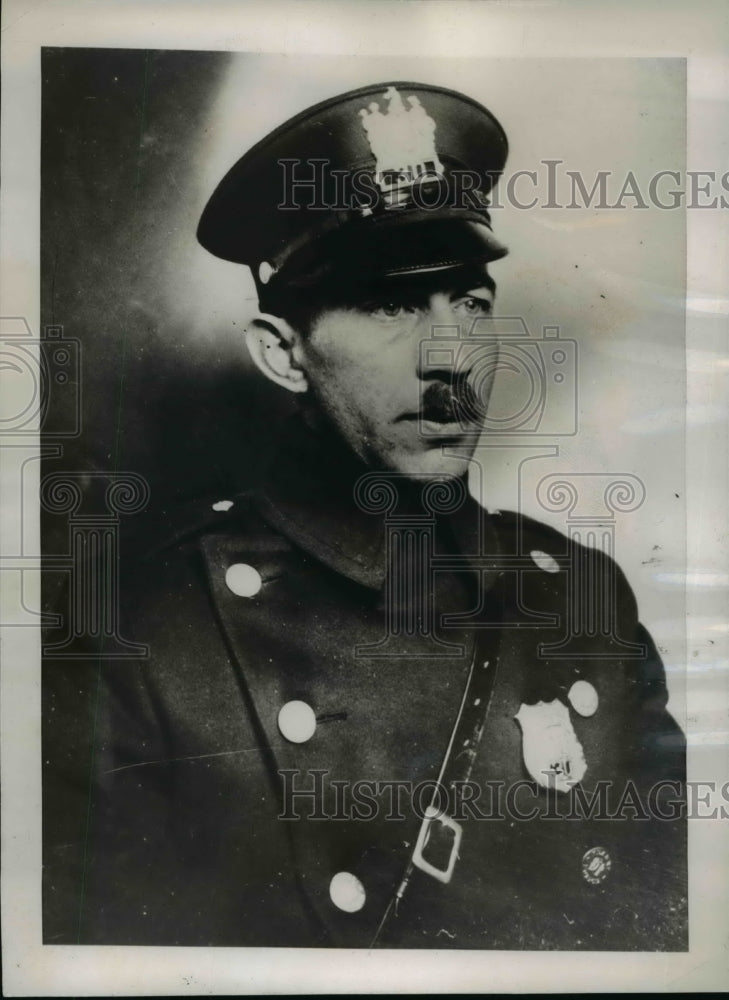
[439, 837]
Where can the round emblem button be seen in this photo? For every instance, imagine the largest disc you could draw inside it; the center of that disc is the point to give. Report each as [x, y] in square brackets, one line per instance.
[596, 864]
[583, 698]
[544, 561]
[297, 722]
[243, 580]
[347, 892]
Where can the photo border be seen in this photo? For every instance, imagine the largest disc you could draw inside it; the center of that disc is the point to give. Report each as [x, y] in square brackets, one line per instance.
[524, 30]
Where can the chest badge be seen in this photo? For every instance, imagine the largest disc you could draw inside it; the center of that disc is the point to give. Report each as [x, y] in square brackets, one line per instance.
[552, 753]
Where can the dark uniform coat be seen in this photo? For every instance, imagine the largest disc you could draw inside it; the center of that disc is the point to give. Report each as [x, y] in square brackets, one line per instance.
[167, 775]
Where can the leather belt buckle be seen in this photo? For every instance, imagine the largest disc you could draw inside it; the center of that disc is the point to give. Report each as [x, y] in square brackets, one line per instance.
[439, 837]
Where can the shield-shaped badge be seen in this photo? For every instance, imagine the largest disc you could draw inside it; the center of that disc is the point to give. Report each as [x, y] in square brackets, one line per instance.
[552, 753]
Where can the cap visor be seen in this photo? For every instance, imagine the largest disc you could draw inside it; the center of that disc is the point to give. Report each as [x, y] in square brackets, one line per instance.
[406, 244]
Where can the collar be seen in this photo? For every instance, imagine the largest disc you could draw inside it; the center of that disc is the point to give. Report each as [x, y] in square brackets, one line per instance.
[308, 495]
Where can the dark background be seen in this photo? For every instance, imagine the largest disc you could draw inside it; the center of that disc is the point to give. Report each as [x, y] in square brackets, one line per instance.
[122, 131]
[151, 389]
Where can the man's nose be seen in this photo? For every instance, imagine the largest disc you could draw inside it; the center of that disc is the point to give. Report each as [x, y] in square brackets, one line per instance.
[441, 313]
[441, 335]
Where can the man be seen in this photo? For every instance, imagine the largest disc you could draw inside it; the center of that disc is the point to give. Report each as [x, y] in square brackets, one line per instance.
[357, 722]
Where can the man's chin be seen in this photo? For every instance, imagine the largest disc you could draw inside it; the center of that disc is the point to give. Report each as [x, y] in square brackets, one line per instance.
[431, 463]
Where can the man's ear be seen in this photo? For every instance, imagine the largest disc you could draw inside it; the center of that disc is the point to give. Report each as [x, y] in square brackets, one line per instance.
[272, 344]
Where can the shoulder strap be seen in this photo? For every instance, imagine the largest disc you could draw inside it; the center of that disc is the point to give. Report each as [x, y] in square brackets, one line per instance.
[439, 837]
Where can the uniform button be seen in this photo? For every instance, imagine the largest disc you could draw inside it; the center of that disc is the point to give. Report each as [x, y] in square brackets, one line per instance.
[347, 892]
[223, 505]
[583, 698]
[243, 580]
[297, 722]
[266, 271]
[544, 561]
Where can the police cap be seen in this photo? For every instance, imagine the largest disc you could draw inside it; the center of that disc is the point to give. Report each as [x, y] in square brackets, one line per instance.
[389, 179]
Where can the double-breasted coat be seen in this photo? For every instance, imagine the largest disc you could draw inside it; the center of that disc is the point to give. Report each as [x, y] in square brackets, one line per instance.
[414, 641]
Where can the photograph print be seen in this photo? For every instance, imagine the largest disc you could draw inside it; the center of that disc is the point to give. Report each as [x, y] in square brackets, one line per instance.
[362, 495]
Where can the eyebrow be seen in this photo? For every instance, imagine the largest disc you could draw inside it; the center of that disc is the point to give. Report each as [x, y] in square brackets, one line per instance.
[488, 282]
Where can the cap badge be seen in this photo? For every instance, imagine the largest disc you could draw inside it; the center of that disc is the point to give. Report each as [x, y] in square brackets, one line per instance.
[553, 755]
[402, 141]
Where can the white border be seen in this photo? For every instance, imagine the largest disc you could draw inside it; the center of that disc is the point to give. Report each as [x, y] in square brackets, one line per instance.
[697, 31]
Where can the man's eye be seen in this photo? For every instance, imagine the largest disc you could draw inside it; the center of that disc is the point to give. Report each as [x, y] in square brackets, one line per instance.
[475, 306]
[389, 310]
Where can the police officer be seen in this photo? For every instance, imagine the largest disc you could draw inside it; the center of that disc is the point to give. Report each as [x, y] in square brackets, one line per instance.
[358, 721]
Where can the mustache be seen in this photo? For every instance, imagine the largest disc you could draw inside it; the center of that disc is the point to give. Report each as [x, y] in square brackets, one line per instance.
[448, 402]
